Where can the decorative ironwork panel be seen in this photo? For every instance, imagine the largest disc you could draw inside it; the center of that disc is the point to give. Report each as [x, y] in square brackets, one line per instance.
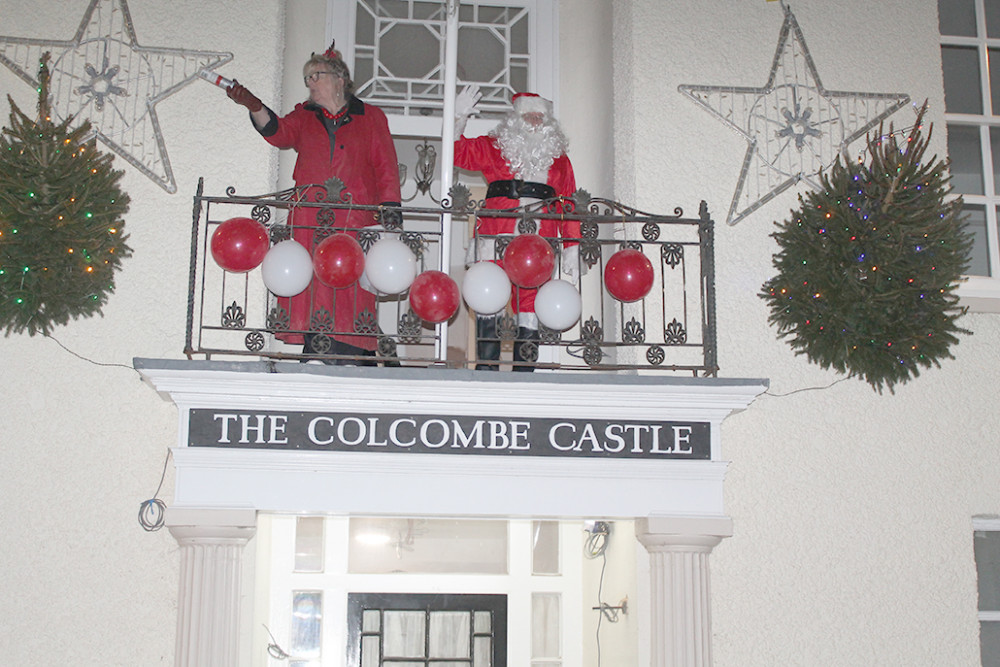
[409, 327]
[277, 319]
[633, 332]
[672, 254]
[254, 341]
[674, 333]
[322, 320]
[234, 317]
[366, 322]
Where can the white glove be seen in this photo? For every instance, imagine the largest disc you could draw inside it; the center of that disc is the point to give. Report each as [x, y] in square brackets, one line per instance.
[465, 106]
[569, 265]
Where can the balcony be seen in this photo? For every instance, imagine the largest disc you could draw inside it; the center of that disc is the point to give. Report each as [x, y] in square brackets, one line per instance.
[668, 329]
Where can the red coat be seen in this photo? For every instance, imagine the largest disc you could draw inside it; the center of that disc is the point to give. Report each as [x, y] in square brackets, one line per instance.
[359, 152]
[483, 154]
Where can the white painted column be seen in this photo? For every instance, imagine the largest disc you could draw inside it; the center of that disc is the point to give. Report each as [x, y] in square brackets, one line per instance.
[208, 607]
[680, 595]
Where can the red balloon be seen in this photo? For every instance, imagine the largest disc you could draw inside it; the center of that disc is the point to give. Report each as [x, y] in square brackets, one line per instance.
[529, 260]
[239, 244]
[628, 275]
[339, 261]
[434, 296]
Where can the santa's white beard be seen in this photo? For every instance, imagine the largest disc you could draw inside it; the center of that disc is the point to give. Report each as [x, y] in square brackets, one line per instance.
[530, 150]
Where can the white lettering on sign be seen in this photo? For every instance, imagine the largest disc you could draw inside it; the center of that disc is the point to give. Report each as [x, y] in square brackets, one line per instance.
[456, 434]
[266, 429]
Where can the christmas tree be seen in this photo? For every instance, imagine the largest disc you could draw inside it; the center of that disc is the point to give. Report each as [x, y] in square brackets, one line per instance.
[869, 264]
[61, 230]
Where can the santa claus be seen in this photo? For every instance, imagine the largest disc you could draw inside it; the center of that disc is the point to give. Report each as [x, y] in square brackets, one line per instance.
[523, 160]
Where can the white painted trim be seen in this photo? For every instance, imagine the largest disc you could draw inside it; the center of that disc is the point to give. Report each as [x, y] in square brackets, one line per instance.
[446, 484]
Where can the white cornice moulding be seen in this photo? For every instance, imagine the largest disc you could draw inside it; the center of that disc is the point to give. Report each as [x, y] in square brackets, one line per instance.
[388, 483]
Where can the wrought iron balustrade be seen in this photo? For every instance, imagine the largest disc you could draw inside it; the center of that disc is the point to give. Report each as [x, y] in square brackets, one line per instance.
[671, 329]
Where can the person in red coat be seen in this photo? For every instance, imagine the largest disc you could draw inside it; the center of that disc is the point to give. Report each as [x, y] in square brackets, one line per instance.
[336, 135]
[523, 160]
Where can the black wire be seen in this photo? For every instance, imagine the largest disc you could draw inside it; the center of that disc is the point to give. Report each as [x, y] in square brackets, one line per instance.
[89, 361]
[273, 649]
[796, 391]
[151, 512]
[596, 546]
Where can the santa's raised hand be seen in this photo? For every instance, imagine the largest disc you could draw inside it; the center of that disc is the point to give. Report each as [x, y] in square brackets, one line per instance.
[465, 107]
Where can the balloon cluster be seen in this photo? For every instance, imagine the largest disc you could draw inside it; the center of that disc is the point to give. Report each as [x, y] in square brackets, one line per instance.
[240, 245]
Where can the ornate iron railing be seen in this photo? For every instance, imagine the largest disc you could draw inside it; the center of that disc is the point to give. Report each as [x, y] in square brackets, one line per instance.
[672, 328]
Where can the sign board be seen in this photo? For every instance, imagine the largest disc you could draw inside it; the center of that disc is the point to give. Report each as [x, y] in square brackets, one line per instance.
[449, 434]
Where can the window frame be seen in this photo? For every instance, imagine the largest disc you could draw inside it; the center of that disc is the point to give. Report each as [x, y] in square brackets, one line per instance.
[543, 46]
[992, 525]
[980, 293]
[495, 603]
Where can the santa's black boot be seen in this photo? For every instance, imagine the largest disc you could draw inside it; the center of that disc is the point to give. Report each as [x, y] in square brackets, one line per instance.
[487, 343]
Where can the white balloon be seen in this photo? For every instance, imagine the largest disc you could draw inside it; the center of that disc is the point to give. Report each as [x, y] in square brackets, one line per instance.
[486, 288]
[287, 268]
[558, 305]
[390, 266]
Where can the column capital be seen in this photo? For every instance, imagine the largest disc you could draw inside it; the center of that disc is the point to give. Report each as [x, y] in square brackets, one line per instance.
[669, 533]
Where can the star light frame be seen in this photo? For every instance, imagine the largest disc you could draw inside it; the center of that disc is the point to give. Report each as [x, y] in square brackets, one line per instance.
[104, 76]
[794, 127]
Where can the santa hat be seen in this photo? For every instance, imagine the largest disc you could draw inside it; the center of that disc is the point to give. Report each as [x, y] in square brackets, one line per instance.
[531, 103]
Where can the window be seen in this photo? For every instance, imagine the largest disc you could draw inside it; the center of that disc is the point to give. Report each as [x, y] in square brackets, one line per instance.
[419, 630]
[396, 52]
[970, 58]
[986, 543]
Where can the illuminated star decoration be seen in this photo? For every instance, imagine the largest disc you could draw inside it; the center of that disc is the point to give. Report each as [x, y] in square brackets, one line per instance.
[794, 126]
[102, 75]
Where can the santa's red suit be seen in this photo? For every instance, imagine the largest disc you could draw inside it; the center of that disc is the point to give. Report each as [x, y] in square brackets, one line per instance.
[484, 154]
[357, 148]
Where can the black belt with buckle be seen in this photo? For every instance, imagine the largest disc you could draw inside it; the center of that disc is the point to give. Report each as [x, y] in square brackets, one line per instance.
[515, 189]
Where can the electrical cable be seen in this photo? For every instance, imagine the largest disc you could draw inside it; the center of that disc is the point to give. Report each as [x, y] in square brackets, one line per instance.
[595, 547]
[152, 511]
[273, 649]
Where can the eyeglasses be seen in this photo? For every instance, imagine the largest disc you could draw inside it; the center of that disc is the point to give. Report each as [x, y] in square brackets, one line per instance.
[315, 76]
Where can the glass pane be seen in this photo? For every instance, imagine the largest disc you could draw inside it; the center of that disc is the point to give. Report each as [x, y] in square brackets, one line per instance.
[309, 544]
[989, 643]
[987, 549]
[409, 51]
[370, 620]
[484, 622]
[966, 159]
[450, 634]
[404, 634]
[387, 546]
[994, 56]
[307, 615]
[962, 87]
[975, 224]
[992, 18]
[483, 652]
[369, 652]
[480, 54]
[545, 547]
[957, 17]
[545, 625]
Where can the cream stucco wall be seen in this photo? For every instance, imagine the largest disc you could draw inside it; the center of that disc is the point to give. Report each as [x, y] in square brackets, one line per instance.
[852, 510]
[83, 439]
[853, 541]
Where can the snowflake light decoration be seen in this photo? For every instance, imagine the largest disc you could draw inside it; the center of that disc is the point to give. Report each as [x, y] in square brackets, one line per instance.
[794, 127]
[102, 75]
